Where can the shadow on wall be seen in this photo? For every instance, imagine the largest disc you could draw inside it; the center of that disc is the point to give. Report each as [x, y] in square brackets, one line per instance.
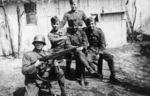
[4, 48]
[4, 42]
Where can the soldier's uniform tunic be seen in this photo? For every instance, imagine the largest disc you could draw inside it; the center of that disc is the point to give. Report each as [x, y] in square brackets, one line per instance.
[97, 43]
[79, 38]
[60, 44]
[30, 72]
[73, 15]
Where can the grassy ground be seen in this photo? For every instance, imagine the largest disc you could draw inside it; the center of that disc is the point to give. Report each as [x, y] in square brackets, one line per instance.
[132, 70]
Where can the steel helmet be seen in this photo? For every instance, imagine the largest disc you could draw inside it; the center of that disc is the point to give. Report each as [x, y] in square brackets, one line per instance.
[39, 38]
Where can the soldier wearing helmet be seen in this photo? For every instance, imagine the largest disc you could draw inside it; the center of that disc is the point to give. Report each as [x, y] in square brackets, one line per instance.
[96, 48]
[74, 14]
[30, 65]
[39, 38]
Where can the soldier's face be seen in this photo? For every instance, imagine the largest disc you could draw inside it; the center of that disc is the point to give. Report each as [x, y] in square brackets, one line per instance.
[91, 25]
[55, 26]
[74, 6]
[38, 45]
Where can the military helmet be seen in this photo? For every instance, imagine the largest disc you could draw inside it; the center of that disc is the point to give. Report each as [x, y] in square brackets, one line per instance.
[39, 38]
[54, 19]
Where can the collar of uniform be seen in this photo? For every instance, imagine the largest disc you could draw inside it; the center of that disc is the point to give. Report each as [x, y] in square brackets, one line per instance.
[92, 31]
[74, 11]
[39, 52]
[72, 32]
[55, 32]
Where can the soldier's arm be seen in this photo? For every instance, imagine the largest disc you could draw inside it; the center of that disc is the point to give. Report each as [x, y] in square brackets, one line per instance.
[68, 42]
[27, 67]
[63, 22]
[84, 18]
[85, 40]
[56, 38]
[102, 41]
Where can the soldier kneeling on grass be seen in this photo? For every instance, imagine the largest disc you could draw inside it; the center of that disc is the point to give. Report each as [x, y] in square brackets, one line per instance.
[31, 65]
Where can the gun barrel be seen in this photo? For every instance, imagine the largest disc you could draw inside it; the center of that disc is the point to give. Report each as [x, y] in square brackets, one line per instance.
[58, 54]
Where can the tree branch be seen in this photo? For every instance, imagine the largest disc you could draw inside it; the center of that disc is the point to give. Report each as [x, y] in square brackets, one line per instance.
[8, 27]
[127, 2]
[135, 12]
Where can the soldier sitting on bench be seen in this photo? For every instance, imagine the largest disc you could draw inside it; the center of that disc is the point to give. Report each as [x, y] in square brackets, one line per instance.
[96, 49]
[78, 38]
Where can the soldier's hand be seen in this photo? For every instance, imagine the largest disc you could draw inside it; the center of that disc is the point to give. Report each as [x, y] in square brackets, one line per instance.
[101, 52]
[56, 63]
[80, 48]
[38, 63]
[97, 56]
[65, 37]
[56, 36]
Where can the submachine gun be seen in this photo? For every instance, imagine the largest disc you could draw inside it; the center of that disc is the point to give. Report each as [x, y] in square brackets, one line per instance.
[57, 54]
[42, 73]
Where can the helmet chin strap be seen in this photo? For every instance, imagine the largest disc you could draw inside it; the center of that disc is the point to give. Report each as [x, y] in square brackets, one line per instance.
[37, 50]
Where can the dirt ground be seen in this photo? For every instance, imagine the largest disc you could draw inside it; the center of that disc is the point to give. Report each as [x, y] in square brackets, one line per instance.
[133, 70]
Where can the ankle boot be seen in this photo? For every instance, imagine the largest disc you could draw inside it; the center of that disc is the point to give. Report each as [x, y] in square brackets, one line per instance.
[113, 78]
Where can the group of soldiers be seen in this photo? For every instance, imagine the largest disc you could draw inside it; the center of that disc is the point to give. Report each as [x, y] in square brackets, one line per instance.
[90, 51]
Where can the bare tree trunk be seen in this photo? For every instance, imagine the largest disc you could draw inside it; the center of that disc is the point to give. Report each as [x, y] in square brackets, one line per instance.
[135, 12]
[8, 28]
[129, 22]
[19, 30]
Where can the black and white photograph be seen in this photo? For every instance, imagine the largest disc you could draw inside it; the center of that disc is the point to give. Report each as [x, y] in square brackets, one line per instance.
[74, 47]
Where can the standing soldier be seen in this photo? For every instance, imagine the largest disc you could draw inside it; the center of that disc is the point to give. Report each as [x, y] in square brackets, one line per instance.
[30, 65]
[78, 38]
[74, 14]
[96, 49]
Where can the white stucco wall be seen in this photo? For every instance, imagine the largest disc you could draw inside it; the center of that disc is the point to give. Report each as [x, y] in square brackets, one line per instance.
[142, 16]
[145, 16]
[115, 31]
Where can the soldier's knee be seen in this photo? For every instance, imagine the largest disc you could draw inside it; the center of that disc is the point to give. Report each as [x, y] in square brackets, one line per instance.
[79, 53]
[110, 56]
[110, 61]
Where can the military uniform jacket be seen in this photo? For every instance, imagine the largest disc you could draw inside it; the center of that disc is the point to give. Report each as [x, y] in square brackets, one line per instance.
[71, 15]
[77, 38]
[60, 43]
[28, 67]
[96, 39]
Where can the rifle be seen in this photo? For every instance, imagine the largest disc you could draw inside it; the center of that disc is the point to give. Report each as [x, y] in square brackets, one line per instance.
[41, 72]
[58, 54]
